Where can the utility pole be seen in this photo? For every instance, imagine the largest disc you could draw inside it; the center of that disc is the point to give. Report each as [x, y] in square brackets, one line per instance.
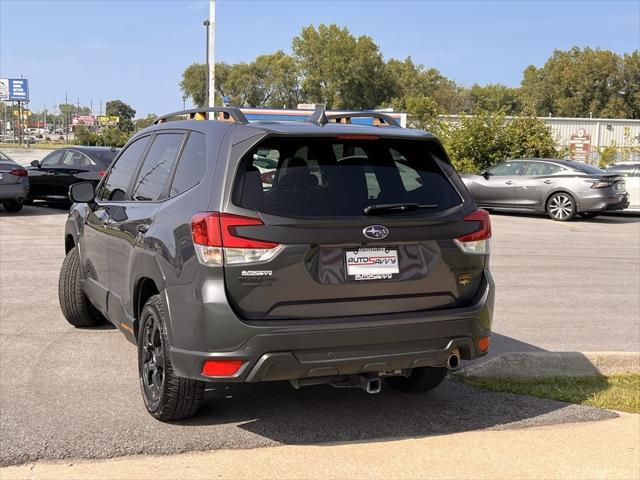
[66, 118]
[206, 23]
[211, 57]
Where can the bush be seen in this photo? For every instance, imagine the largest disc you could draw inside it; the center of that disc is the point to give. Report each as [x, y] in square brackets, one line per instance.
[477, 142]
[109, 137]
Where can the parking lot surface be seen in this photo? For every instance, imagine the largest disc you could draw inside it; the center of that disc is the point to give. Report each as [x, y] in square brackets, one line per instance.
[74, 393]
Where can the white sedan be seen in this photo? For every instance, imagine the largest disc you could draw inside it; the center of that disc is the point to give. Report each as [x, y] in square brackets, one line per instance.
[631, 173]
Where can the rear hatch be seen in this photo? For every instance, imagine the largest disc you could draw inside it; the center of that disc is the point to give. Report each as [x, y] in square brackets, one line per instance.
[351, 225]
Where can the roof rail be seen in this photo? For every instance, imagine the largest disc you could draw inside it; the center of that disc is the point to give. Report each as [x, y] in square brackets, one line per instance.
[233, 114]
[379, 119]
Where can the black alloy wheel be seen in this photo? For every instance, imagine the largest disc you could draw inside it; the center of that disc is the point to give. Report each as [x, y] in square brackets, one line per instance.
[152, 361]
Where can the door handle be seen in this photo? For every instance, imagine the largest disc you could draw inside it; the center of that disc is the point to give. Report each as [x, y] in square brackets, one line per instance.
[548, 182]
[142, 227]
[509, 182]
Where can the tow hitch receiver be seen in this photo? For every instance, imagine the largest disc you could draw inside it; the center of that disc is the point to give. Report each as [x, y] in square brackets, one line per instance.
[369, 382]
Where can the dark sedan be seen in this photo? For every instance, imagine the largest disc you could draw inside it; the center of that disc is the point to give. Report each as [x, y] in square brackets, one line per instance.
[559, 188]
[50, 178]
[14, 184]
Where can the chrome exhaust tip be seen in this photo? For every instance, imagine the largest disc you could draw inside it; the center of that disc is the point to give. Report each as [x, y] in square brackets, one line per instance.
[454, 360]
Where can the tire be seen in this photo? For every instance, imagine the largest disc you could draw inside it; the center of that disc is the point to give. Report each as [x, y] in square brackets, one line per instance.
[166, 396]
[589, 214]
[74, 304]
[12, 206]
[420, 380]
[561, 207]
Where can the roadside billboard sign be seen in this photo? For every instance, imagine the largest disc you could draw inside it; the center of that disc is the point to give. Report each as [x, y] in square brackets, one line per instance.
[4, 89]
[14, 89]
[87, 120]
[108, 120]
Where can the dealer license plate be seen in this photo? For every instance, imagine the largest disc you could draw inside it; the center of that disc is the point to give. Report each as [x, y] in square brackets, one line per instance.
[372, 264]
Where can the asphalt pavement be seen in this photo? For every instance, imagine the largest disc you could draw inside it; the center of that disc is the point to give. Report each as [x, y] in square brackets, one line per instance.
[74, 392]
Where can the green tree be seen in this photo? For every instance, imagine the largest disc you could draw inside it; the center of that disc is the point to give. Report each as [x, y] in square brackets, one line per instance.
[194, 83]
[412, 81]
[494, 97]
[141, 123]
[583, 82]
[124, 111]
[340, 70]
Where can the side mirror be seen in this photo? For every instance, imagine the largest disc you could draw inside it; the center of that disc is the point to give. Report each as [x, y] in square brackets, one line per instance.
[82, 192]
[35, 163]
[486, 174]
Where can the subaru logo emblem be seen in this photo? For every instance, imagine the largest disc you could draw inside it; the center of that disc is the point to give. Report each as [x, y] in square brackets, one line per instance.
[376, 232]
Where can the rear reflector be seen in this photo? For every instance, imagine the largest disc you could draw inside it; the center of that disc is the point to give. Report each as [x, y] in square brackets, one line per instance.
[217, 241]
[221, 368]
[483, 343]
[19, 172]
[476, 242]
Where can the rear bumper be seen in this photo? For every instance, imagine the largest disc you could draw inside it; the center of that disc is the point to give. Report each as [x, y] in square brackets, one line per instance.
[13, 191]
[604, 200]
[286, 350]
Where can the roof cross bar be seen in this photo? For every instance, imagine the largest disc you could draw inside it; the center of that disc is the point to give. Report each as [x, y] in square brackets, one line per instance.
[380, 117]
[232, 113]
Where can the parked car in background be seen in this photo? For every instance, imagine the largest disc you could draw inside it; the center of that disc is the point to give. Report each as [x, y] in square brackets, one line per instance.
[631, 173]
[14, 184]
[560, 188]
[50, 178]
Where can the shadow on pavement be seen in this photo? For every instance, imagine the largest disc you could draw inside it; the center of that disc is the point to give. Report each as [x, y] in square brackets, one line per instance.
[323, 414]
[36, 210]
[608, 217]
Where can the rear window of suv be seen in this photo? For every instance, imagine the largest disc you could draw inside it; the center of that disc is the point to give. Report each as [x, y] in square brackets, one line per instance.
[341, 177]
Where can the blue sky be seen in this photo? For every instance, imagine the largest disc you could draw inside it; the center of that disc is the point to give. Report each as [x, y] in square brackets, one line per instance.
[137, 50]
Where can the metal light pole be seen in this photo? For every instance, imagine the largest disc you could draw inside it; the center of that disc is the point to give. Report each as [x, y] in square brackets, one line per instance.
[211, 57]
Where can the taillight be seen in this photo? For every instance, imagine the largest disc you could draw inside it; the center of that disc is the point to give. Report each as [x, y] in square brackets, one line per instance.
[217, 241]
[476, 242]
[19, 172]
[599, 184]
[101, 173]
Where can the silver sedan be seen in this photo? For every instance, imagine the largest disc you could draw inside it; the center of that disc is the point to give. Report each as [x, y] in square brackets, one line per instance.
[559, 188]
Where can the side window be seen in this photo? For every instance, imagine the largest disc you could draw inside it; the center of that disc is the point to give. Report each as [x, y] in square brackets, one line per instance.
[192, 165]
[410, 178]
[157, 165]
[505, 169]
[541, 168]
[73, 159]
[115, 186]
[53, 159]
[265, 163]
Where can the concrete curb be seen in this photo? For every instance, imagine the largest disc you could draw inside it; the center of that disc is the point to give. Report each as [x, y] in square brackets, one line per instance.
[555, 364]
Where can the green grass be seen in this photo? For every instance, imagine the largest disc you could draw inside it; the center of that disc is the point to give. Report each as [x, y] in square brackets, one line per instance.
[615, 392]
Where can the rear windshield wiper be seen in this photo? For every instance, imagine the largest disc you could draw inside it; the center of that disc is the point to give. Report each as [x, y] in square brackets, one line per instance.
[395, 208]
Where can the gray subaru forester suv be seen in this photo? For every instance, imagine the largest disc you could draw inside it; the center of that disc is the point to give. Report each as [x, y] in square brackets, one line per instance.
[358, 257]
